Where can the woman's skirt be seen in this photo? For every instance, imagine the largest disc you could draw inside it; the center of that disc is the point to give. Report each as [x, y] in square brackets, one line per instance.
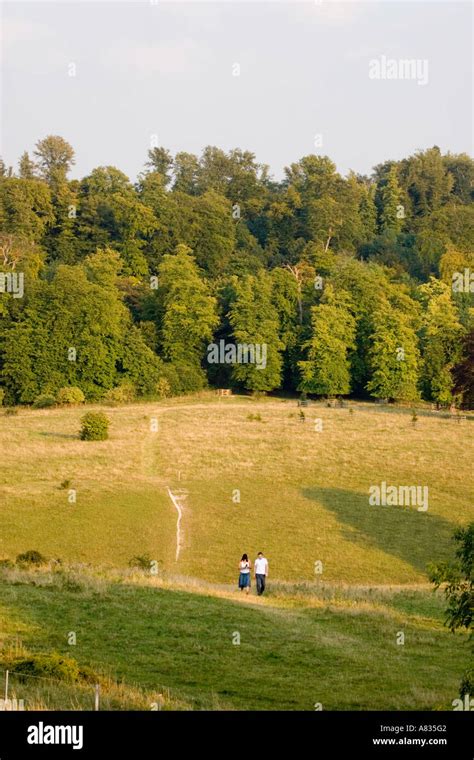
[244, 580]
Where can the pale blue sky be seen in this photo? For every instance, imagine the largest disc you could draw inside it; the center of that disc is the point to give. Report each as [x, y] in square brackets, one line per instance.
[165, 68]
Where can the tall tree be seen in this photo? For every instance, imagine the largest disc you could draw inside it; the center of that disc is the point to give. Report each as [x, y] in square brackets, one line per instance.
[73, 332]
[392, 211]
[187, 314]
[326, 368]
[461, 168]
[254, 322]
[205, 224]
[441, 341]
[111, 214]
[26, 208]
[368, 213]
[393, 355]
[427, 181]
[26, 167]
[186, 173]
[54, 158]
[160, 160]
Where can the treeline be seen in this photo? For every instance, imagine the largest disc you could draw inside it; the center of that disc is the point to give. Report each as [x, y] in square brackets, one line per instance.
[352, 284]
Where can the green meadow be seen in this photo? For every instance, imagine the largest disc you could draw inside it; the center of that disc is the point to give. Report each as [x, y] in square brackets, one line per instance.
[346, 578]
[296, 649]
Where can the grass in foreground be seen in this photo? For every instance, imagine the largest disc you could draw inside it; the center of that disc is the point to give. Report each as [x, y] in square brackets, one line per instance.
[299, 646]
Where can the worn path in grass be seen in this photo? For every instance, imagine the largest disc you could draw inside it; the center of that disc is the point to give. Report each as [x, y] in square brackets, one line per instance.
[275, 485]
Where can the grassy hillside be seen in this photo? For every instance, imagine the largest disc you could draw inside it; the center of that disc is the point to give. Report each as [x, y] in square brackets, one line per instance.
[303, 493]
[328, 638]
[299, 646]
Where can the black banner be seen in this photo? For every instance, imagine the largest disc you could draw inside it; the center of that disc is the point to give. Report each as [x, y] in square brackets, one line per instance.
[115, 734]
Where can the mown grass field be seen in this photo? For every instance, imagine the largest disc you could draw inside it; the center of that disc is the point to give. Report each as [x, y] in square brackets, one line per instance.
[328, 638]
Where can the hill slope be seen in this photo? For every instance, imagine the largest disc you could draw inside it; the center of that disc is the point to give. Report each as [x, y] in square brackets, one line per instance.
[298, 647]
[274, 484]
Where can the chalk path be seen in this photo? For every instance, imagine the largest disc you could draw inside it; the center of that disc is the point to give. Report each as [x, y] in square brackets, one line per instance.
[176, 498]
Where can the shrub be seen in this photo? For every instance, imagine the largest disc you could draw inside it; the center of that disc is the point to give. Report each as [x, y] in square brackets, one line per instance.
[142, 561]
[66, 484]
[2, 395]
[54, 666]
[184, 378]
[6, 563]
[47, 666]
[163, 388]
[31, 557]
[10, 411]
[95, 427]
[121, 394]
[71, 583]
[170, 374]
[44, 401]
[70, 394]
[467, 683]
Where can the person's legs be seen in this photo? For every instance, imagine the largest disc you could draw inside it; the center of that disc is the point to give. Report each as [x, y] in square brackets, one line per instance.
[259, 578]
[264, 578]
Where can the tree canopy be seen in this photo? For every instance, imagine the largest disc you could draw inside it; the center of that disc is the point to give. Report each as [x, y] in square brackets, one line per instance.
[348, 284]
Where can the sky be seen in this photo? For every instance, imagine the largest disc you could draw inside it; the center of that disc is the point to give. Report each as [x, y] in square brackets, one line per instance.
[281, 79]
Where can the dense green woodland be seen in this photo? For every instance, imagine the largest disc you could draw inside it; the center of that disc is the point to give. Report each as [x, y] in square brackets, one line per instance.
[357, 285]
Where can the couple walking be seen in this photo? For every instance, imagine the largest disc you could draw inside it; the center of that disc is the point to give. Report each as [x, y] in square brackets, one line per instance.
[260, 570]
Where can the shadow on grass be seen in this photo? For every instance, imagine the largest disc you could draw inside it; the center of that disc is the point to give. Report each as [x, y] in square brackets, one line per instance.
[414, 537]
[59, 435]
[162, 638]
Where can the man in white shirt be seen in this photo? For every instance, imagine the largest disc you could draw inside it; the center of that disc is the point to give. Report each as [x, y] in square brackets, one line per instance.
[261, 572]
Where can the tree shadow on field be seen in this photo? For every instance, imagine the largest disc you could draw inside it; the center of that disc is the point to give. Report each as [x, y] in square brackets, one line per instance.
[414, 537]
[58, 435]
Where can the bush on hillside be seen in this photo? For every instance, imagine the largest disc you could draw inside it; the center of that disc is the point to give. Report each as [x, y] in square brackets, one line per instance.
[170, 375]
[163, 388]
[142, 561]
[2, 395]
[189, 378]
[121, 394]
[70, 394]
[44, 401]
[31, 557]
[177, 378]
[467, 683]
[94, 427]
[52, 665]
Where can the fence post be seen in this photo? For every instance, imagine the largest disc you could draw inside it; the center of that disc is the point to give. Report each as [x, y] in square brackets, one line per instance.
[6, 686]
[96, 697]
